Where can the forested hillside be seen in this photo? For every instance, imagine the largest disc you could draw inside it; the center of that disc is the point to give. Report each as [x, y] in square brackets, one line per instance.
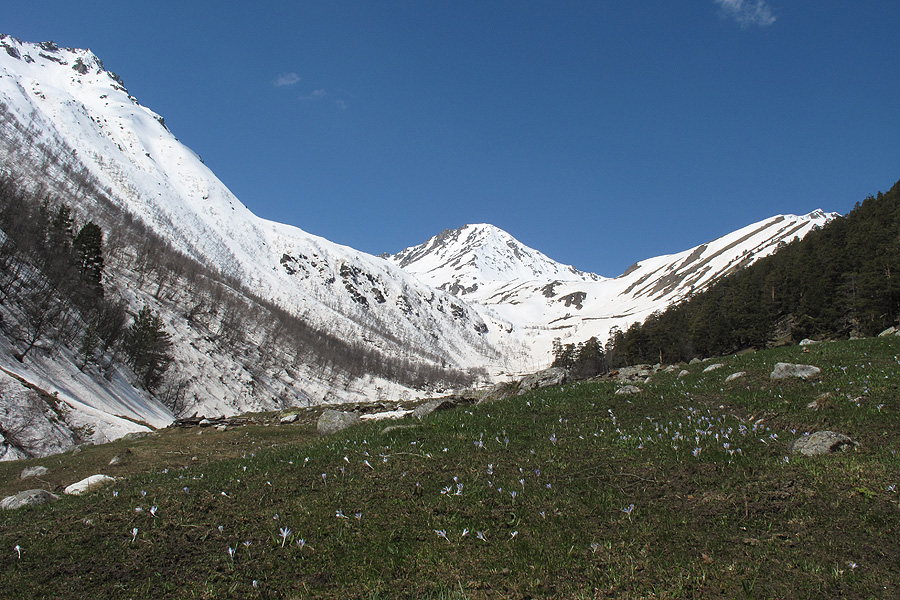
[839, 281]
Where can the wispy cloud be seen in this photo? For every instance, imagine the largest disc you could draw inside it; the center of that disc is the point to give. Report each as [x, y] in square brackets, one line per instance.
[747, 12]
[315, 95]
[287, 79]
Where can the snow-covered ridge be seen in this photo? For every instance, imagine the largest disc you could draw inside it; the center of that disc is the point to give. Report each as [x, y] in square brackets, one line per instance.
[547, 300]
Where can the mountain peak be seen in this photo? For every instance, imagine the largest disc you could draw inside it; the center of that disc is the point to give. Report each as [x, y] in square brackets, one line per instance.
[462, 260]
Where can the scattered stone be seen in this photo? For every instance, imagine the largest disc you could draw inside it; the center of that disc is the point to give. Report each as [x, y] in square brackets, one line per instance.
[118, 459]
[788, 370]
[27, 498]
[713, 367]
[391, 428]
[684, 373]
[823, 442]
[628, 389]
[88, 484]
[205, 422]
[809, 342]
[33, 472]
[288, 419]
[222, 427]
[889, 331]
[546, 378]
[333, 421]
[734, 376]
[634, 373]
[81, 447]
[819, 402]
[695, 361]
[431, 406]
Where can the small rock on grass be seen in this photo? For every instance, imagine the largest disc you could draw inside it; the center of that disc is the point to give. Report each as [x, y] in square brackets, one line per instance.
[88, 484]
[823, 442]
[788, 370]
[27, 498]
[33, 472]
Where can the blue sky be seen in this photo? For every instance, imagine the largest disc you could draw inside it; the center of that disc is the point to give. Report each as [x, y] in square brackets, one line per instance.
[599, 132]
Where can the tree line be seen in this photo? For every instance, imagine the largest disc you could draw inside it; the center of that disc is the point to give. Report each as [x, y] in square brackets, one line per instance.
[51, 279]
[841, 280]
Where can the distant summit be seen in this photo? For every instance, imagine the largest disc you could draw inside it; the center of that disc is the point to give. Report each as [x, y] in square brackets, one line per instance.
[462, 261]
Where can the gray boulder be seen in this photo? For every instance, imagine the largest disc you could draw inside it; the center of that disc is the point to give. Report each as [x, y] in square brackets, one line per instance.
[546, 378]
[788, 370]
[499, 391]
[635, 373]
[889, 331]
[628, 389]
[288, 419]
[734, 376]
[333, 421]
[823, 442]
[33, 472]
[27, 498]
[426, 408]
[713, 367]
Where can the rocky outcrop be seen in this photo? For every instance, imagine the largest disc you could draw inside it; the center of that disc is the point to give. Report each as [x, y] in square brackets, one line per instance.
[546, 378]
[426, 408]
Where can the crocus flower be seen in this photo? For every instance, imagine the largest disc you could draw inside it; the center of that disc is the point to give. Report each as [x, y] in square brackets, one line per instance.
[285, 532]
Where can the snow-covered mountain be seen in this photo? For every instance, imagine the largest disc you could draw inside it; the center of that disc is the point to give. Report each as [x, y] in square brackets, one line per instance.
[164, 184]
[546, 300]
[64, 119]
[470, 298]
[477, 258]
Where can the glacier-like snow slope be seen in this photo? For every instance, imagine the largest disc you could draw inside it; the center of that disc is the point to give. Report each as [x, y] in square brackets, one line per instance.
[546, 300]
[162, 182]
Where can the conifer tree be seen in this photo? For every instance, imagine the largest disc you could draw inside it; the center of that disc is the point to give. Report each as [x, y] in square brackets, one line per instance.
[148, 346]
[88, 248]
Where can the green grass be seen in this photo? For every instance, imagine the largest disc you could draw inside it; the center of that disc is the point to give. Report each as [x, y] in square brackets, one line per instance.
[682, 491]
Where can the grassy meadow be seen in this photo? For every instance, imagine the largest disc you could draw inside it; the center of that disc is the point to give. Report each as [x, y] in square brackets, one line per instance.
[685, 490]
